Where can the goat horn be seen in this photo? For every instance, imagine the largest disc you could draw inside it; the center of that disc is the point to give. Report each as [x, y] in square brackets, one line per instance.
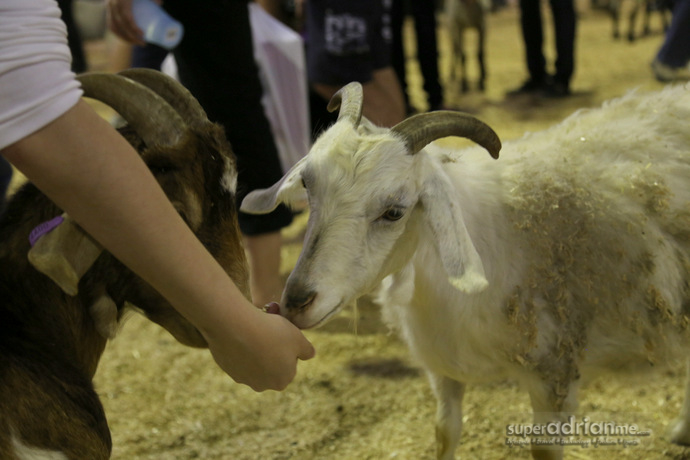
[147, 113]
[350, 99]
[420, 130]
[172, 91]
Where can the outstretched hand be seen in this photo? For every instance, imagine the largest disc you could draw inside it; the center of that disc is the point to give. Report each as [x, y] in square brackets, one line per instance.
[260, 350]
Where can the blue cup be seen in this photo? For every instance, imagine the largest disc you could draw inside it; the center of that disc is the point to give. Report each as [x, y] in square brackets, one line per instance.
[158, 27]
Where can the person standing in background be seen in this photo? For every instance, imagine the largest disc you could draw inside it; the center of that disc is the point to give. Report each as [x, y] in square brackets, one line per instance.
[215, 62]
[351, 41]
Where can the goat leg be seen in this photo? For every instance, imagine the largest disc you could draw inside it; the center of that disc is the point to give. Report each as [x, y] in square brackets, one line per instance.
[548, 407]
[449, 394]
[680, 429]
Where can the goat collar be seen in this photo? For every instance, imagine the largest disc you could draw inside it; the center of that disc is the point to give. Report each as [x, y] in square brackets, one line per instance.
[43, 228]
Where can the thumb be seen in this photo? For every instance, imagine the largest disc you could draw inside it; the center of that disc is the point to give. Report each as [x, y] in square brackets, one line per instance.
[307, 350]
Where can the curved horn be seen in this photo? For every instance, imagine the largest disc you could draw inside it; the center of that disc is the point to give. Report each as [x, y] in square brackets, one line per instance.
[350, 99]
[420, 130]
[149, 114]
[172, 91]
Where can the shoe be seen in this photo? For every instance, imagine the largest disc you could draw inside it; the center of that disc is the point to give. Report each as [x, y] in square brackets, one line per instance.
[531, 86]
[556, 90]
[665, 73]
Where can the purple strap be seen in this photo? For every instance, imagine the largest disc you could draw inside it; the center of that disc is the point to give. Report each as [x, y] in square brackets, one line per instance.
[44, 228]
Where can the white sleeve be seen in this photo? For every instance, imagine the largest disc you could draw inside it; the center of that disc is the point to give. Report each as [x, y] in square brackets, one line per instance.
[36, 83]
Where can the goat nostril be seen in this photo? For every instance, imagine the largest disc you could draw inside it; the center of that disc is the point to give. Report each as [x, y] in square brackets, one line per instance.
[301, 302]
[309, 301]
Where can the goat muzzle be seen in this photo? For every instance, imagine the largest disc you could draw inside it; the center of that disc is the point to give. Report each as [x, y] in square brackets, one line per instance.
[295, 303]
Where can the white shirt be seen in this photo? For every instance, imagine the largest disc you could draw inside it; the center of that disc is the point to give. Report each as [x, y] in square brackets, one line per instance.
[36, 83]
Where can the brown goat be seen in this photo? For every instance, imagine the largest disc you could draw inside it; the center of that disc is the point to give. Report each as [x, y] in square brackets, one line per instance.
[50, 342]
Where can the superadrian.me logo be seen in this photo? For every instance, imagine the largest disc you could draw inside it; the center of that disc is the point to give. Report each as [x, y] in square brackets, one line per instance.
[583, 433]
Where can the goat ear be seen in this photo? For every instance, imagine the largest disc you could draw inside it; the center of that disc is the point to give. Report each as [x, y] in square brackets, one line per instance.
[288, 190]
[459, 257]
[65, 254]
[367, 126]
[104, 314]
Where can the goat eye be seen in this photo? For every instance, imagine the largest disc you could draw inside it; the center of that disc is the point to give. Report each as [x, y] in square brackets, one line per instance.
[161, 166]
[160, 170]
[393, 214]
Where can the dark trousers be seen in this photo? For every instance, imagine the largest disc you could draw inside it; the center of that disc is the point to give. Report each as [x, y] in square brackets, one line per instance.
[149, 56]
[424, 14]
[5, 178]
[215, 61]
[563, 13]
[74, 41]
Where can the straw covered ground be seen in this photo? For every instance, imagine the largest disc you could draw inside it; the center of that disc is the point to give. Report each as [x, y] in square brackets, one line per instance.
[362, 397]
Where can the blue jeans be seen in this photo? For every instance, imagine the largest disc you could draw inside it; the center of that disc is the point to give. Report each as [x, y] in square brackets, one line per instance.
[675, 51]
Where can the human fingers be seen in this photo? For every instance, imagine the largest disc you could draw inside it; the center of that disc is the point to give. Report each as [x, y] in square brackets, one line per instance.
[305, 349]
[121, 21]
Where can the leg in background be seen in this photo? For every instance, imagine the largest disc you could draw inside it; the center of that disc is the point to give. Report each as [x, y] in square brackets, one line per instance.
[5, 179]
[424, 13]
[680, 429]
[265, 282]
[564, 21]
[533, 36]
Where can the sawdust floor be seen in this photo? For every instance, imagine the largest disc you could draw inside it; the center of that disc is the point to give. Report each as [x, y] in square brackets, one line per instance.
[362, 397]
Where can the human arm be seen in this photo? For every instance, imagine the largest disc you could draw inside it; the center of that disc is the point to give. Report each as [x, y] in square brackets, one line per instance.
[90, 171]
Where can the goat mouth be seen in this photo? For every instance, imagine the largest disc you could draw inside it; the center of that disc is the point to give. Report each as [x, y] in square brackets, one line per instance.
[326, 317]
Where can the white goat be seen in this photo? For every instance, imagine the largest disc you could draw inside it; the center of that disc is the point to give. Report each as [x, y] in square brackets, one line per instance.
[462, 16]
[568, 256]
